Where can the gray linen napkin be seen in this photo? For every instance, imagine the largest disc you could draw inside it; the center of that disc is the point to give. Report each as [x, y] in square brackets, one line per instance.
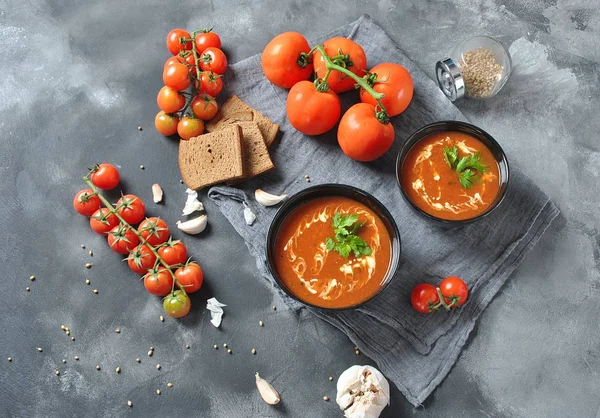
[414, 351]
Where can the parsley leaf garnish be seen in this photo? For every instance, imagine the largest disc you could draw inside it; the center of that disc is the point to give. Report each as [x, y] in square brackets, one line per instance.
[465, 166]
[345, 240]
[451, 155]
[471, 161]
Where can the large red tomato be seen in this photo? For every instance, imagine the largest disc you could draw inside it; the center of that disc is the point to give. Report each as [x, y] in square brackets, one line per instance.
[310, 111]
[357, 63]
[395, 82]
[282, 60]
[362, 136]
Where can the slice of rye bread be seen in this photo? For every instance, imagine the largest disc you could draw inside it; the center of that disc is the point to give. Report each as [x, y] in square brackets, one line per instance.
[212, 158]
[256, 155]
[235, 110]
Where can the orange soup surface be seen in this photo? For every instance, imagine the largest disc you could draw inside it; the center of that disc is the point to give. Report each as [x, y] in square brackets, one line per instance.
[323, 277]
[435, 187]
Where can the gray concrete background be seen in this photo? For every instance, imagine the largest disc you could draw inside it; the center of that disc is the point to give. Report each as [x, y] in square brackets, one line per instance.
[76, 81]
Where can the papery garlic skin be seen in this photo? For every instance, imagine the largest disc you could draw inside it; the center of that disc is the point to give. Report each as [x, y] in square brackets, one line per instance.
[362, 392]
[216, 311]
[268, 199]
[249, 216]
[192, 204]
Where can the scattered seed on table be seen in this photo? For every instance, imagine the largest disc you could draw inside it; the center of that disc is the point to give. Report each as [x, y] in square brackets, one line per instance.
[91, 253]
[73, 338]
[158, 391]
[253, 351]
[225, 345]
[325, 398]
[27, 288]
[118, 369]
[97, 367]
[330, 377]
[10, 359]
[229, 350]
[64, 360]
[162, 318]
[261, 323]
[87, 281]
[129, 404]
[40, 349]
[138, 360]
[181, 181]
[88, 265]
[32, 278]
[76, 358]
[118, 330]
[169, 385]
[58, 372]
[158, 367]
[142, 167]
[139, 128]
[274, 308]
[63, 327]
[187, 346]
[150, 353]
[357, 352]
[68, 332]
[82, 245]
[95, 291]
[216, 347]
[152, 347]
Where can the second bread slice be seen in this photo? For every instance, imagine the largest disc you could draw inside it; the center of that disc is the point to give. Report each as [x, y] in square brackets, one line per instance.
[256, 154]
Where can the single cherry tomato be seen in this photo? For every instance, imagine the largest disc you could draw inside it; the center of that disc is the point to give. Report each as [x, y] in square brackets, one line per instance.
[189, 127]
[169, 100]
[362, 136]
[311, 111]
[424, 297]
[103, 220]
[105, 176]
[176, 76]
[166, 124]
[122, 239]
[454, 290]
[210, 83]
[213, 59]
[174, 44]
[131, 208]
[396, 84]
[141, 259]
[177, 304]
[158, 281]
[173, 252]
[187, 60]
[207, 39]
[86, 202]
[154, 230]
[204, 106]
[283, 60]
[190, 277]
[357, 63]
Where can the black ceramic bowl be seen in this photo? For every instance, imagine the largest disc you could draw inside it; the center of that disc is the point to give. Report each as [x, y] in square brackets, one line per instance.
[467, 128]
[334, 190]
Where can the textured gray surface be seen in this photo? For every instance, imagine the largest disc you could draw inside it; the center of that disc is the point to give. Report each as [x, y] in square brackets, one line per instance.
[76, 82]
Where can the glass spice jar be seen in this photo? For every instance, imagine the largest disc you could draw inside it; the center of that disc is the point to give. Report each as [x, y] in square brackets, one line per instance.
[477, 68]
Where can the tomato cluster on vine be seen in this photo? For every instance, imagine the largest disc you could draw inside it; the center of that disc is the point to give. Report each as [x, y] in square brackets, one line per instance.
[150, 249]
[339, 65]
[451, 293]
[192, 80]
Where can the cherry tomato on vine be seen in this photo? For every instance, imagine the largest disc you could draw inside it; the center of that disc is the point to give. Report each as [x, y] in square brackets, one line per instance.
[362, 136]
[86, 202]
[166, 124]
[204, 106]
[210, 83]
[158, 281]
[173, 252]
[169, 100]
[213, 59]
[189, 127]
[122, 239]
[454, 290]
[187, 60]
[131, 208]
[176, 76]
[310, 111]
[154, 230]
[282, 60]
[103, 220]
[395, 82]
[173, 41]
[424, 297]
[207, 39]
[190, 277]
[177, 304]
[105, 176]
[357, 63]
[141, 259]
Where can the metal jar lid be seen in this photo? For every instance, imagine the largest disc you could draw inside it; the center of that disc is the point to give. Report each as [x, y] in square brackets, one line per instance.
[450, 79]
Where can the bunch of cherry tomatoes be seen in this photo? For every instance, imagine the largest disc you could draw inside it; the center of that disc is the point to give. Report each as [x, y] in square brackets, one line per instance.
[339, 65]
[452, 292]
[150, 250]
[192, 80]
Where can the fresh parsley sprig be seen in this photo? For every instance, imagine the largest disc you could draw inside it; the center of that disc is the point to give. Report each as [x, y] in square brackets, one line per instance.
[465, 166]
[345, 240]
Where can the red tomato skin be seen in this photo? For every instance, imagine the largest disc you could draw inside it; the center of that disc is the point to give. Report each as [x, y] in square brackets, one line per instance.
[206, 40]
[210, 83]
[338, 81]
[158, 283]
[166, 124]
[310, 111]
[190, 277]
[454, 287]
[121, 246]
[173, 44]
[176, 76]
[105, 176]
[146, 257]
[395, 82]
[169, 100]
[86, 202]
[279, 60]
[362, 136]
[100, 227]
[135, 212]
[422, 296]
[154, 230]
[173, 254]
[217, 61]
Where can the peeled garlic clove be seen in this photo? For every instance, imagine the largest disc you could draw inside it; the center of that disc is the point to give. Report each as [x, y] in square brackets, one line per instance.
[267, 391]
[362, 392]
[157, 193]
[192, 204]
[249, 216]
[268, 199]
[193, 226]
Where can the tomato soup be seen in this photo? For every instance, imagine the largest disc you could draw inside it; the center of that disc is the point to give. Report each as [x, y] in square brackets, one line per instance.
[451, 175]
[316, 273]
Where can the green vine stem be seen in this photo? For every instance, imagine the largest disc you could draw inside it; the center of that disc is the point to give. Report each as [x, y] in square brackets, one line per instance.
[330, 65]
[111, 209]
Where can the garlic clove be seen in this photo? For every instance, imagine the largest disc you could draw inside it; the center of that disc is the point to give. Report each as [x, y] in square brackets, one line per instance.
[249, 216]
[193, 226]
[192, 204]
[268, 199]
[267, 391]
[362, 392]
[157, 193]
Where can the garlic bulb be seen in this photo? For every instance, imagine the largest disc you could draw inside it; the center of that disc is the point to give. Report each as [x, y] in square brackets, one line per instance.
[192, 204]
[267, 391]
[362, 392]
[193, 226]
[268, 199]
[157, 193]
[249, 216]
